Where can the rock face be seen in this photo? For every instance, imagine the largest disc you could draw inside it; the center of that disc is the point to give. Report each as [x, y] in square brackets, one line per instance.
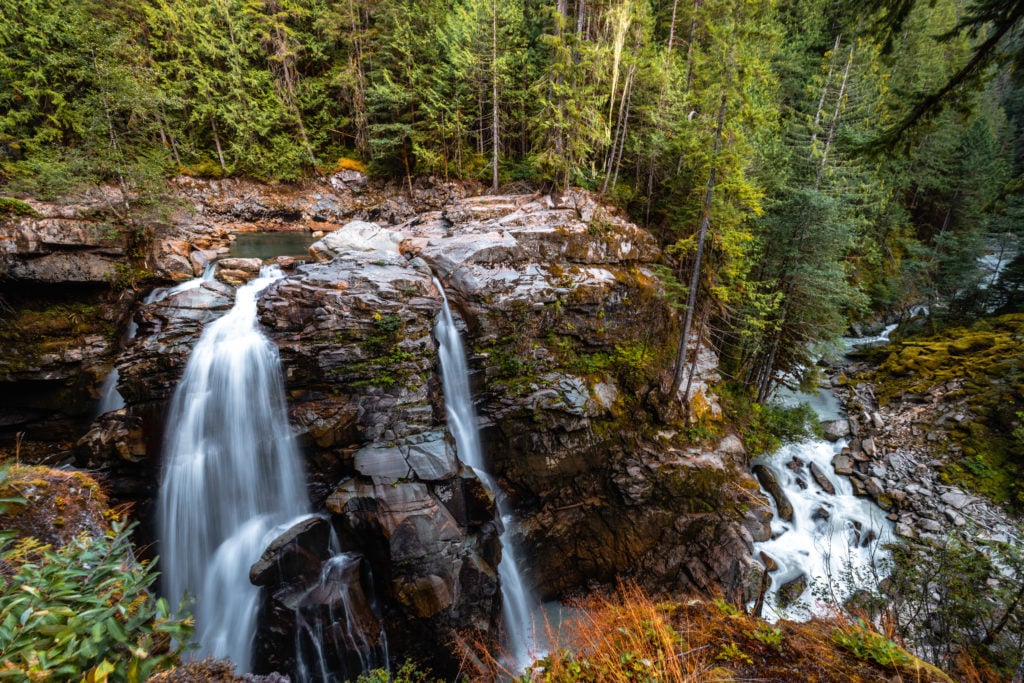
[62, 243]
[355, 336]
[569, 335]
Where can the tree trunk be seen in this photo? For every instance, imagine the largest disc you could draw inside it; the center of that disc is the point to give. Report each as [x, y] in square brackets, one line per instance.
[672, 25]
[625, 124]
[824, 93]
[835, 119]
[619, 124]
[216, 142]
[705, 221]
[494, 95]
[689, 47]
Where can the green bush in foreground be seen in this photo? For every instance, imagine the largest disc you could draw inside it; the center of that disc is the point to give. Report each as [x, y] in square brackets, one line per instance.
[83, 611]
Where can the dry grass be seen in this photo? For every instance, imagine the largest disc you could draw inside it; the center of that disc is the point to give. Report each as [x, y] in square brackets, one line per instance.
[630, 637]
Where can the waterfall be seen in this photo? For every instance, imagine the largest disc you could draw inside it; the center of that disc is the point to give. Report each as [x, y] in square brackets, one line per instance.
[337, 641]
[110, 397]
[232, 478]
[516, 599]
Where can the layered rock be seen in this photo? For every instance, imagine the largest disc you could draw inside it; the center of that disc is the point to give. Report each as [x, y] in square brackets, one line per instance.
[359, 360]
[568, 329]
[63, 242]
[570, 333]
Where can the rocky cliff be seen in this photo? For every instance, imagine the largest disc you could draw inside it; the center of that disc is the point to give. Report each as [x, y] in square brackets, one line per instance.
[569, 335]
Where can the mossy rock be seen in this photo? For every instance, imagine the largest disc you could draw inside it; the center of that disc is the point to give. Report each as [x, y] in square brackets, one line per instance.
[58, 504]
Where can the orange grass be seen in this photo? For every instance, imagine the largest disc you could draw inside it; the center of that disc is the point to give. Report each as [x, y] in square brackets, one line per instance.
[629, 637]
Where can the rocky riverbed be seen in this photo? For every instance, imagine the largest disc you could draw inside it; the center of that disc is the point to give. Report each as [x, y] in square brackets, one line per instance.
[896, 455]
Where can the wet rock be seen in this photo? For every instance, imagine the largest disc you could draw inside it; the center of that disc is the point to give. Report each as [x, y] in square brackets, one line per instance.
[823, 481]
[767, 478]
[296, 555]
[237, 271]
[859, 487]
[791, 591]
[836, 429]
[436, 569]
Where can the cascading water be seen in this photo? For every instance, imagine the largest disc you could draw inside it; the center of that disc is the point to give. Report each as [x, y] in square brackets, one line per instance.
[517, 602]
[835, 541]
[337, 642]
[232, 478]
[110, 398]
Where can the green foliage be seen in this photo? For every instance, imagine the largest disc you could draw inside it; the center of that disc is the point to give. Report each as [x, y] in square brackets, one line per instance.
[85, 608]
[407, 673]
[967, 595]
[866, 644]
[15, 207]
[731, 652]
[769, 635]
[726, 608]
[765, 427]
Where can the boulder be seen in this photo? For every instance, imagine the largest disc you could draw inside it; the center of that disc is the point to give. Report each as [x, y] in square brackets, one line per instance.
[836, 429]
[356, 236]
[790, 591]
[842, 464]
[823, 481]
[237, 271]
[767, 478]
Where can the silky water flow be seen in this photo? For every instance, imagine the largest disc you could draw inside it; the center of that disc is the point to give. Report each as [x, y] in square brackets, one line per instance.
[232, 482]
[518, 603]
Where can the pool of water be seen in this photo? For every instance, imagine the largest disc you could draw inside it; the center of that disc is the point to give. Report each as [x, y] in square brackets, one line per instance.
[265, 245]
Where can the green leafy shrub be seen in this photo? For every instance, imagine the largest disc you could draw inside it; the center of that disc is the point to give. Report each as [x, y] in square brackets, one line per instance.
[408, 673]
[84, 610]
[765, 427]
[769, 635]
[868, 645]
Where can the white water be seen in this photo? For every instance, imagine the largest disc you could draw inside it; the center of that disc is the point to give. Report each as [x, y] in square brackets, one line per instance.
[110, 398]
[313, 662]
[517, 600]
[232, 478]
[835, 540]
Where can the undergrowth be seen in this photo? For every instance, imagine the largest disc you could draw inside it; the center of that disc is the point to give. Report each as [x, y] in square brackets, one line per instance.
[628, 636]
[83, 611]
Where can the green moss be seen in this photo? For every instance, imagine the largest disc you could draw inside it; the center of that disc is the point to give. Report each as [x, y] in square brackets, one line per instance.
[983, 365]
[35, 328]
[15, 207]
